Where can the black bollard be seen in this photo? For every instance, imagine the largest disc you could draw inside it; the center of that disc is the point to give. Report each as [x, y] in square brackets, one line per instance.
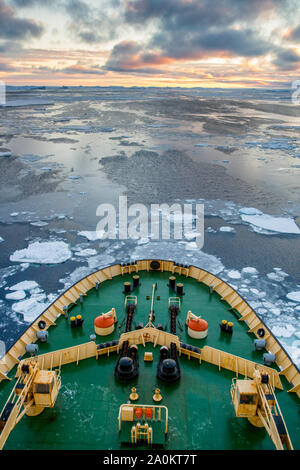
[127, 288]
[179, 288]
[172, 280]
[136, 281]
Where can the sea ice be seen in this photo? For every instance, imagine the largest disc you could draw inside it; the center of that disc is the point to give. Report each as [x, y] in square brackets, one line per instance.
[191, 235]
[17, 295]
[159, 250]
[249, 270]
[275, 311]
[1, 239]
[74, 177]
[30, 309]
[100, 261]
[142, 241]
[249, 211]
[277, 276]
[92, 236]
[39, 223]
[5, 154]
[75, 276]
[227, 229]
[86, 252]
[294, 296]
[285, 331]
[234, 274]
[191, 246]
[43, 253]
[24, 285]
[272, 224]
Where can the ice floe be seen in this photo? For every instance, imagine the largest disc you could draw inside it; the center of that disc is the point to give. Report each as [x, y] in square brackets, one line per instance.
[249, 211]
[43, 253]
[25, 285]
[92, 236]
[100, 261]
[170, 250]
[143, 241]
[294, 296]
[86, 252]
[249, 270]
[234, 274]
[283, 331]
[39, 223]
[29, 308]
[16, 295]
[227, 229]
[191, 246]
[191, 235]
[272, 224]
[278, 275]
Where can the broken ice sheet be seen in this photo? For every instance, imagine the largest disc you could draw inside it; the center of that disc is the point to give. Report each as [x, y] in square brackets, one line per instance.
[53, 252]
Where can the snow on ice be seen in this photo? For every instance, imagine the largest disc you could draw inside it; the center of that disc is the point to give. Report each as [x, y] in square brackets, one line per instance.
[272, 224]
[43, 253]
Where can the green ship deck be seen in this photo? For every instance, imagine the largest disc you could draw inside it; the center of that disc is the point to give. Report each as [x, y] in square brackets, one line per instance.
[201, 413]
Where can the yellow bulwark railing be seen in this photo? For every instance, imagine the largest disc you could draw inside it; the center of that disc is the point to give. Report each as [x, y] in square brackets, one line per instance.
[60, 357]
[226, 292]
[239, 365]
[221, 359]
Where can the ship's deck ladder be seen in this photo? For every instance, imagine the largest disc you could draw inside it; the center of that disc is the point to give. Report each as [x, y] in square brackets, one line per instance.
[16, 406]
[272, 418]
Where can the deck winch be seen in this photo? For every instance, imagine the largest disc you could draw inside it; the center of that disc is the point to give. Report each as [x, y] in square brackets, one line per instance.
[127, 366]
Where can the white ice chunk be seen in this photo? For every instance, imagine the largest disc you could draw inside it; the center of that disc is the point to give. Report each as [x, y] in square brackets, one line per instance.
[285, 331]
[191, 246]
[249, 270]
[273, 224]
[294, 296]
[24, 285]
[277, 276]
[86, 252]
[17, 295]
[39, 223]
[142, 241]
[191, 235]
[1, 239]
[275, 311]
[100, 261]
[249, 211]
[30, 309]
[43, 253]
[227, 229]
[234, 274]
[92, 236]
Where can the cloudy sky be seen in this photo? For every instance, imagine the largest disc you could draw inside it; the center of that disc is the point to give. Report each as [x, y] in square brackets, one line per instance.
[211, 43]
